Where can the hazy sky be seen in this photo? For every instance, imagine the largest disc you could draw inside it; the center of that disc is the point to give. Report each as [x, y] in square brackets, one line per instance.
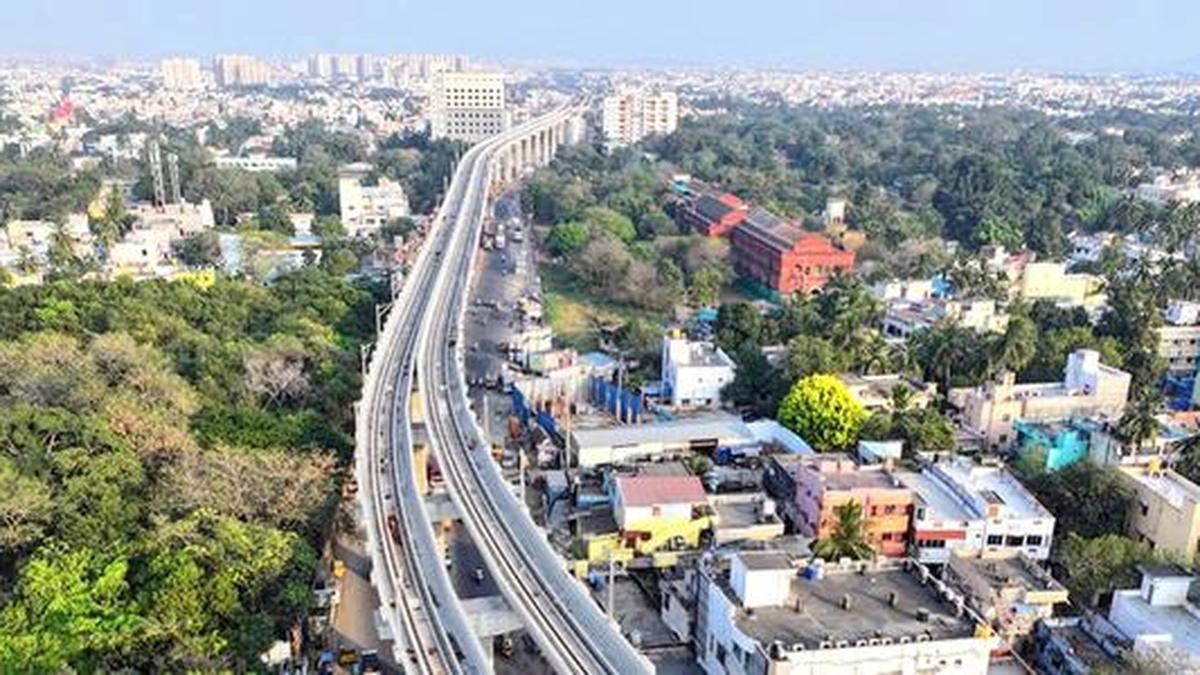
[1055, 35]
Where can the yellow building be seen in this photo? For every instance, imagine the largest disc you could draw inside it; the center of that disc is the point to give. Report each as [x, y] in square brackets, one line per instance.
[653, 513]
[1166, 509]
[1051, 281]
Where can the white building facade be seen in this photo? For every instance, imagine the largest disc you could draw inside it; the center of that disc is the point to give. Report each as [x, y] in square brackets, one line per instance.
[630, 116]
[365, 209]
[694, 372]
[467, 106]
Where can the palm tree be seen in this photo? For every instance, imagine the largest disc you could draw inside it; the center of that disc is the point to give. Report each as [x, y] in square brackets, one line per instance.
[1138, 425]
[848, 539]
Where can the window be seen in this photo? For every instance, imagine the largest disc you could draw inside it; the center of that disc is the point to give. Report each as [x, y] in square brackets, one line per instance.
[1014, 541]
[1145, 508]
[889, 509]
[995, 539]
[887, 536]
[1033, 540]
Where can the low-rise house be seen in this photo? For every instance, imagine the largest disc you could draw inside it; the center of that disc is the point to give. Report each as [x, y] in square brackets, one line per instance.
[1012, 593]
[810, 488]
[908, 290]
[1088, 388]
[1051, 281]
[962, 508]
[367, 208]
[1179, 338]
[694, 373]
[1166, 509]
[902, 318]
[876, 392]
[868, 618]
[1159, 618]
[256, 163]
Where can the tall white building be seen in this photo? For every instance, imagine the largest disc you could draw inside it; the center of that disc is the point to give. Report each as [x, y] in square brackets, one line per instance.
[467, 106]
[364, 208]
[694, 372]
[630, 116]
[182, 74]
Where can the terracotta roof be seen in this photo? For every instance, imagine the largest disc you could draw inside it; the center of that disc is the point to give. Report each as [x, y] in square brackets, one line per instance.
[657, 490]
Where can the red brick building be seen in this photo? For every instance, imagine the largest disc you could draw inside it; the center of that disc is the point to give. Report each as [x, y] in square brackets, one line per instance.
[711, 215]
[780, 255]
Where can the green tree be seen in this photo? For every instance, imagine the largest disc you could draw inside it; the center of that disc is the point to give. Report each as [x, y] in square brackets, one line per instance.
[567, 238]
[848, 538]
[1086, 499]
[822, 411]
[1098, 565]
[808, 355]
[25, 509]
[600, 219]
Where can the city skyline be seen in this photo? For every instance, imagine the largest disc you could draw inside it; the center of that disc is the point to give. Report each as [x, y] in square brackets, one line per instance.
[1067, 37]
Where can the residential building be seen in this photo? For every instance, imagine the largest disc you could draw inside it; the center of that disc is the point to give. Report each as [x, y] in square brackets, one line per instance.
[655, 440]
[365, 208]
[1170, 187]
[810, 488]
[710, 214]
[1076, 645]
[467, 106]
[967, 509]
[783, 257]
[257, 163]
[1179, 338]
[33, 236]
[1088, 388]
[142, 253]
[1166, 510]
[629, 116]
[876, 393]
[694, 372]
[902, 318]
[908, 290]
[1064, 442]
[1159, 617]
[180, 219]
[868, 618]
[1012, 594]
[1051, 281]
[239, 70]
[644, 503]
[181, 74]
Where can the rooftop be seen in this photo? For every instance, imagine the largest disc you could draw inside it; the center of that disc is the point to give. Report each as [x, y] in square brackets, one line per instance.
[1169, 485]
[813, 612]
[723, 427]
[704, 354]
[934, 494]
[766, 560]
[990, 485]
[655, 490]
[1139, 617]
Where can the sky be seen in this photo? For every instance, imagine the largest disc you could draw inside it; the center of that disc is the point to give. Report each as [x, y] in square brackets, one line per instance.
[941, 35]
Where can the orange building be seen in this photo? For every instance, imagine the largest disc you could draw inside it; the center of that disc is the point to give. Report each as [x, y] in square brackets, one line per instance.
[780, 255]
[813, 486]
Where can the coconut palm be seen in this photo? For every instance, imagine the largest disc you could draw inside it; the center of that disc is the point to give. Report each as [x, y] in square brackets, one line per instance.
[848, 539]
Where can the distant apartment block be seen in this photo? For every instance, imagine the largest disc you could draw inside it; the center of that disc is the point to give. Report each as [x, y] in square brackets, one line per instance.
[1166, 509]
[365, 209]
[467, 106]
[711, 214]
[694, 372]
[628, 117]
[256, 163]
[811, 488]
[181, 74]
[240, 70]
[962, 508]
[1088, 388]
[761, 615]
[783, 257]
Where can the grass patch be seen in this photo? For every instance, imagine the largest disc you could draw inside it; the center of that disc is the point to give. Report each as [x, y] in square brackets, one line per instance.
[574, 314]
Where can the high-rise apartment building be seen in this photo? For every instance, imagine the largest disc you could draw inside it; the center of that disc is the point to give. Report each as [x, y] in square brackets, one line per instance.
[320, 66]
[182, 74]
[630, 116]
[467, 106]
[239, 70]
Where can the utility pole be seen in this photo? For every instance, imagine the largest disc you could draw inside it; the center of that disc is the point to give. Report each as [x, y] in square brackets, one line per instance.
[612, 568]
